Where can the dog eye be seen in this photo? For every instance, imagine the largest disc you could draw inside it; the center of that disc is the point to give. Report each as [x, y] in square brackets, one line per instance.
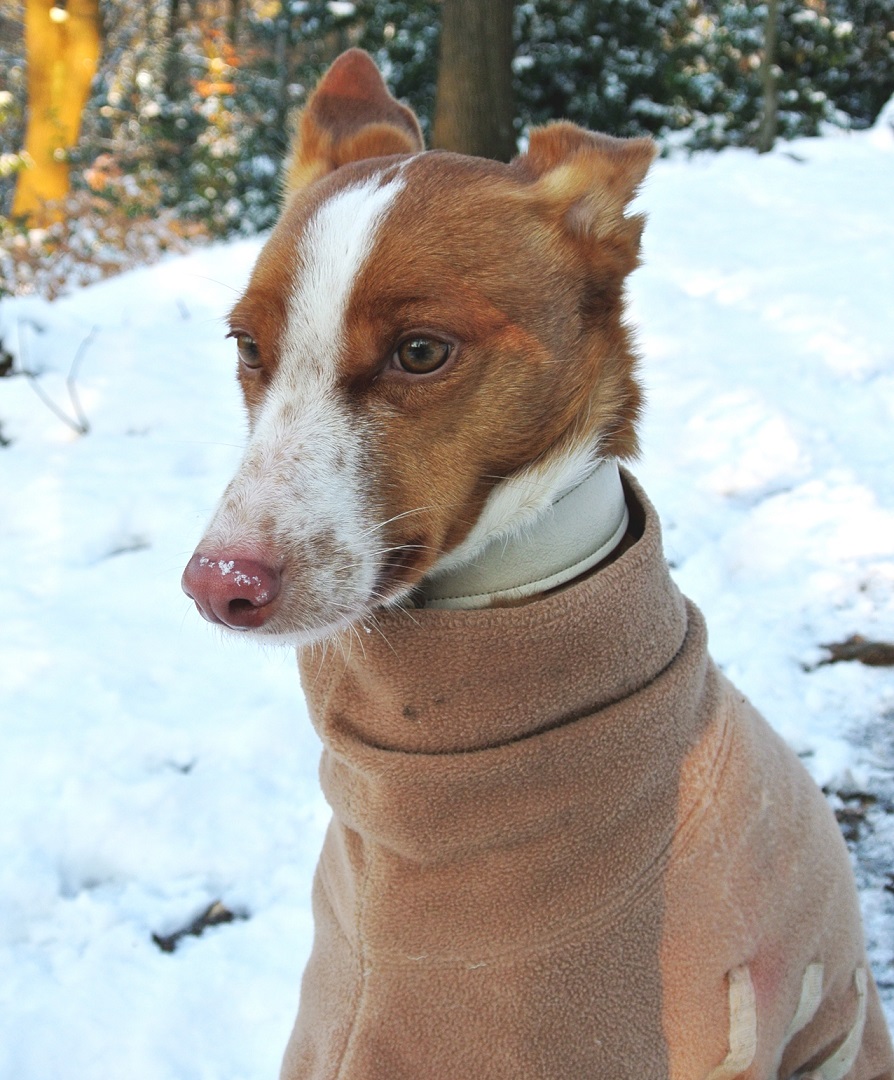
[247, 348]
[420, 355]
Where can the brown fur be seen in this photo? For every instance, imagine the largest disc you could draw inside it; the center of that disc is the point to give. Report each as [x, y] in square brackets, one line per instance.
[524, 275]
[350, 116]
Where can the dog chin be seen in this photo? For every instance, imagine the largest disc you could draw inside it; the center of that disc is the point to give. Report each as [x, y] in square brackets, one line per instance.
[284, 637]
[313, 631]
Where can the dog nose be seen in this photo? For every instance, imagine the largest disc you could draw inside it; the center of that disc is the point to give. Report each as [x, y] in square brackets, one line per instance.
[234, 592]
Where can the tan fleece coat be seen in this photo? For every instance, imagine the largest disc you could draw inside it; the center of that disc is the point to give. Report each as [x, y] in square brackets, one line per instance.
[564, 847]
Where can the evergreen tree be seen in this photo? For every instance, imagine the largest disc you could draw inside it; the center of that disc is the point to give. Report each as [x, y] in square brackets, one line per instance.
[822, 76]
[607, 65]
[403, 37]
[191, 109]
[855, 69]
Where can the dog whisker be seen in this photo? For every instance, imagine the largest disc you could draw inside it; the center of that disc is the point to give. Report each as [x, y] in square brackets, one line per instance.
[384, 551]
[217, 281]
[374, 625]
[396, 517]
[356, 633]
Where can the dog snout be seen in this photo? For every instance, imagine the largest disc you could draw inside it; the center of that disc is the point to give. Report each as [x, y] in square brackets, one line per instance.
[233, 591]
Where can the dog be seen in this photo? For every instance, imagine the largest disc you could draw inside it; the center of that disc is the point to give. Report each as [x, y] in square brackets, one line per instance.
[563, 846]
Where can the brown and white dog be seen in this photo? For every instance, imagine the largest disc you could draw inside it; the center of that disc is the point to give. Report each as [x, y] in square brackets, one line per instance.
[562, 845]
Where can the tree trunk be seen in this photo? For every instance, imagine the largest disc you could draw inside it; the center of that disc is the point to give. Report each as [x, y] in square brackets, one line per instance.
[62, 54]
[175, 73]
[474, 106]
[281, 58]
[766, 135]
[233, 22]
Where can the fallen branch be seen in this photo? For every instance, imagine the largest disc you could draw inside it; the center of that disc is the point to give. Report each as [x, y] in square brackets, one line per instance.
[214, 915]
[872, 653]
[80, 423]
[71, 381]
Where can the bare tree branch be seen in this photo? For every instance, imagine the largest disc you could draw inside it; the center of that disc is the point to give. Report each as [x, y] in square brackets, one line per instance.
[80, 423]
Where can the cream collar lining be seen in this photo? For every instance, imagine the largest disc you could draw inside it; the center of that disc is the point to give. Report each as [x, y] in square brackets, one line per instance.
[581, 528]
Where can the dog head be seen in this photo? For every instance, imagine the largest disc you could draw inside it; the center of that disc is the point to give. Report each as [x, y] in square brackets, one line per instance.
[430, 347]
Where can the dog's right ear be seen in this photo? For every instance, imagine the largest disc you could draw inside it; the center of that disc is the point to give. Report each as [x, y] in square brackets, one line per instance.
[351, 116]
[589, 179]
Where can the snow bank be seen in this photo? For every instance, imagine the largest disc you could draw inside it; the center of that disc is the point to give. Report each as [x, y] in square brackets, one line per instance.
[148, 767]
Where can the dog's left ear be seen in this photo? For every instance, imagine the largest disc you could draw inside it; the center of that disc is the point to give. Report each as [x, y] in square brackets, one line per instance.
[589, 179]
[350, 117]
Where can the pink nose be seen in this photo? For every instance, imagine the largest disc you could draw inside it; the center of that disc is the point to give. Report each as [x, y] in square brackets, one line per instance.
[235, 592]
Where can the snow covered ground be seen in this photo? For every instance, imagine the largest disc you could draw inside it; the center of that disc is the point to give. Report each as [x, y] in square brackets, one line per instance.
[148, 767]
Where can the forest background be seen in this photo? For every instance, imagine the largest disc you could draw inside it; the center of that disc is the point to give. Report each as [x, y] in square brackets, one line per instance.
[155, 780]
[187, 118]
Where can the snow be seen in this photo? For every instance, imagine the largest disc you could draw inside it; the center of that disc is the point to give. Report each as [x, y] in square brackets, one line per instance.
[149, 767]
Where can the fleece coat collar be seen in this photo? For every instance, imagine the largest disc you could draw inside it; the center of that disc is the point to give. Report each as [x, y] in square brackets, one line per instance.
[563, 847]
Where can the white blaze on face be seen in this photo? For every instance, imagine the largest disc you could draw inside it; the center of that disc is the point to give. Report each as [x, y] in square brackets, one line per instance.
[299, 494]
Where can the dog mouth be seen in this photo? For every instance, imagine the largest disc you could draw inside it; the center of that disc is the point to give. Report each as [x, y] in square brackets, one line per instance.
[400, 571]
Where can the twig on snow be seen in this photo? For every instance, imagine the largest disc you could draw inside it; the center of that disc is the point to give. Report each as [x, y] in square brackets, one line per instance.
[856, 647]
[80, 423]
[213, 915]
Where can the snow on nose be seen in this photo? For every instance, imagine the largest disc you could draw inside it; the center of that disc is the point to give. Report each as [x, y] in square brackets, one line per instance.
[231, 590]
